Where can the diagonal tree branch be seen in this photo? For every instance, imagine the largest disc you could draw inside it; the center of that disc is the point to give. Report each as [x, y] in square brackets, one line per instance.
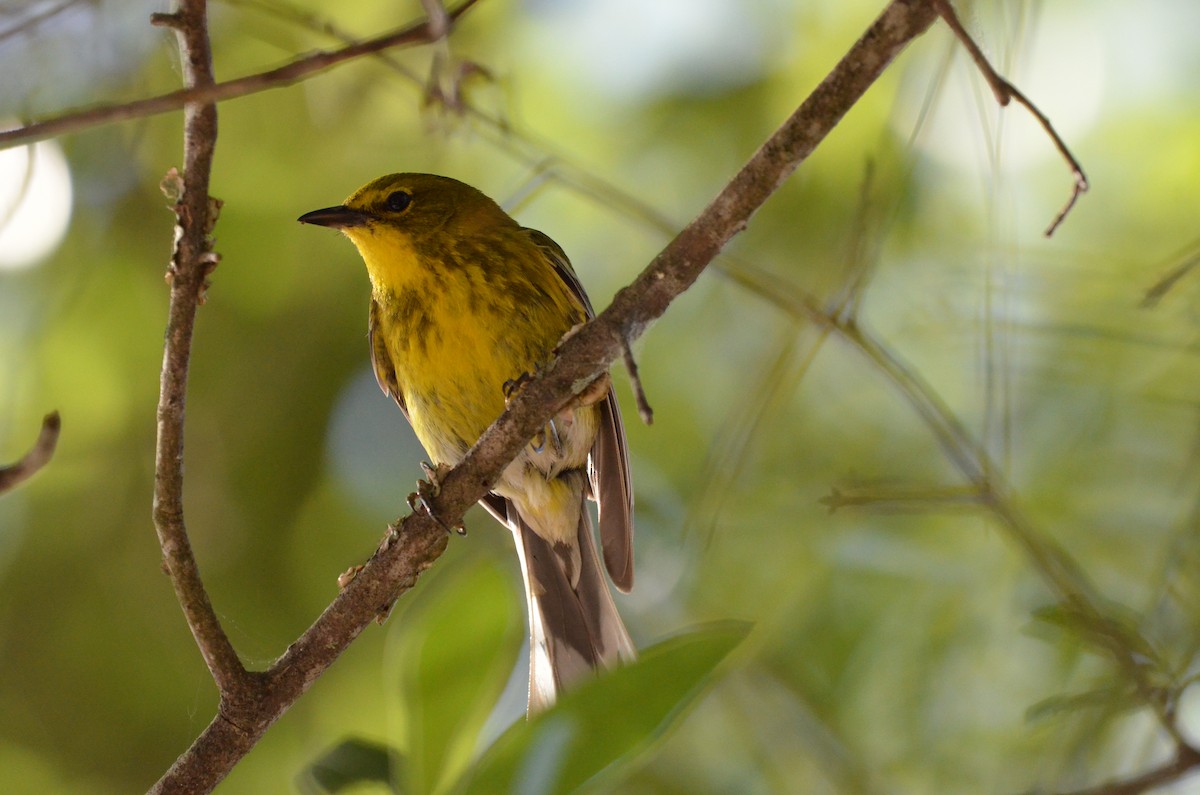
[1185, 762]
[412, 546]
[211, 92]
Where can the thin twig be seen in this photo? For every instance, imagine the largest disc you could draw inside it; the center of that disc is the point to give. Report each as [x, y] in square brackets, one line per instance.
[1006, 92]
[639, 392]
[35, 19]
[38, 456]
[1186, 760]
[1164, 285]
[1071, 587]
[286, 75]
[899, 499]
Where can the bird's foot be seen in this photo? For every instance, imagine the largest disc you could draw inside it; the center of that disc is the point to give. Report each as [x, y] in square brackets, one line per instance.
[591, 394]
[427, 490]
[513, 385]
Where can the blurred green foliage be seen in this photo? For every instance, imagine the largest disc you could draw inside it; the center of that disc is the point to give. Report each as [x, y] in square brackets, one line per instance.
[901, 642]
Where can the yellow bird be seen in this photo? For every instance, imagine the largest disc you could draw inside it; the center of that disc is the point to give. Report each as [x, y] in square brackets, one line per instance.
[464, 303]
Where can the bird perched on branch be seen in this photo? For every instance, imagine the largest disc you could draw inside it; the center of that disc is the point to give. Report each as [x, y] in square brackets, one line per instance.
[466, 303]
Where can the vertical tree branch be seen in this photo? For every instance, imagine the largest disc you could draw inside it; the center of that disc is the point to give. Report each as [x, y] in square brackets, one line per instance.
[191, 262]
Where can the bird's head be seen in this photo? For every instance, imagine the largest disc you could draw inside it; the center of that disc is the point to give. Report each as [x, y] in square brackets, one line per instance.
[414, 205]
[400, 218]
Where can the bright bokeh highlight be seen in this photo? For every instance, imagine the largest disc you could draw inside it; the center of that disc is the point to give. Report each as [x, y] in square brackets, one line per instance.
[35, 203]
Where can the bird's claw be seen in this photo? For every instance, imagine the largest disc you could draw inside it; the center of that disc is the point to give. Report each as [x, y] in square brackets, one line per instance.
[591, 394]
[513, 385]
[427, 490]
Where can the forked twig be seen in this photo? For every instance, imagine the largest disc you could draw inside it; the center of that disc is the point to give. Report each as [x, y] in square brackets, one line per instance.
[1005, 92]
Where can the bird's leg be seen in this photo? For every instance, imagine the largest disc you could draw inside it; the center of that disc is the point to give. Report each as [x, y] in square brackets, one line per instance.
[511, 387]
[594, 392]
[427, 490]
[591, 394]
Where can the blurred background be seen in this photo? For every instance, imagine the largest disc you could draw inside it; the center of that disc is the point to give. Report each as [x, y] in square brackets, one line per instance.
[902, 641]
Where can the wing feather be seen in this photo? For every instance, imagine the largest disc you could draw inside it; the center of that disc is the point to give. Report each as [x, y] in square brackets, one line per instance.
[613, 492]
[381, 362]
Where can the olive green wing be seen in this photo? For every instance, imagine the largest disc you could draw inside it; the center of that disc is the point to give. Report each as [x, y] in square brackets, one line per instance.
[562, 266]
[608, 472]
[381, 362]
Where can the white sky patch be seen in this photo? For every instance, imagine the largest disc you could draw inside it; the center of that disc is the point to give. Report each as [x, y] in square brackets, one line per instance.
[35, 203]
[630, 49]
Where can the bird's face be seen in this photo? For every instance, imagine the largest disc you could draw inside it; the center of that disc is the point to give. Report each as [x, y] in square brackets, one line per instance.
[413, 206]
[404, 223]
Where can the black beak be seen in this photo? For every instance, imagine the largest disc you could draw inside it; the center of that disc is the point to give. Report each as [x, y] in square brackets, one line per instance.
[339, 217]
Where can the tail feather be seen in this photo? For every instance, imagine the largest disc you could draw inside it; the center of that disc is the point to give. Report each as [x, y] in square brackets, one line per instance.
[574, 627]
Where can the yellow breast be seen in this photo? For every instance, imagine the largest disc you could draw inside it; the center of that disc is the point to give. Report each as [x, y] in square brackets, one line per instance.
[458, 325]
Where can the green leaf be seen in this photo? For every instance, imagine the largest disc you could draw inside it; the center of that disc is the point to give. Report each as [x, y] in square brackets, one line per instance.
[1117, 627]
[351, 762]
[608, 719]
[457, 644]
[1112, 698]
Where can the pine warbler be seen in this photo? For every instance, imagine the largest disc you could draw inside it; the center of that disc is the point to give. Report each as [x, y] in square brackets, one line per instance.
[464, 302]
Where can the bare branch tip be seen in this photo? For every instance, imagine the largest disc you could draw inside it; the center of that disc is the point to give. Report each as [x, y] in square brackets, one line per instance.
[1081, 187]
[38, 456]
[162, 19]
[439, 20]
[1005, 93]
[639, 393]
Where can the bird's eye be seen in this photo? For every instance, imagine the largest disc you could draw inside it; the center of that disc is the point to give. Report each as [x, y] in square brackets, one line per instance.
[399, 201]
